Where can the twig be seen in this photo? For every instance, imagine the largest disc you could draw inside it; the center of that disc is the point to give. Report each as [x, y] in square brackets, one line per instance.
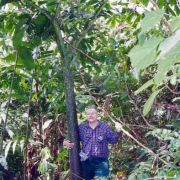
[75, 48]
[128, 124]
[139, 143]
[172, 90]
[145, 120]
[134, 125]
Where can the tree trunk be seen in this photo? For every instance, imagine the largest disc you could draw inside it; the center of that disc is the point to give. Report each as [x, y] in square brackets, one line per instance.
[72, 119]
[75, 170]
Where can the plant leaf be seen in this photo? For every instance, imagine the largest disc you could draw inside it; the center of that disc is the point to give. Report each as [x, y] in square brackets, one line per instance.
[167, 45]
[144, 86]
[7, 148]
[166, 63]
[151, 19]
[149, 102]
[46, 124]
[25, 57]
[143, 56]
[14, 146]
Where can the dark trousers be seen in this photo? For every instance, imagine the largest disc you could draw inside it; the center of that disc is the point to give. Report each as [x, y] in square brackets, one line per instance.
[95, 167]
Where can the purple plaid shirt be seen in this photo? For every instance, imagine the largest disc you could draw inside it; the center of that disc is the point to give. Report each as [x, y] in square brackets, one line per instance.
[95, 141]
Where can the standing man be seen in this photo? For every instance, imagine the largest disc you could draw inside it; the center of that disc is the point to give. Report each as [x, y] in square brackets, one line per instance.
[95, 135]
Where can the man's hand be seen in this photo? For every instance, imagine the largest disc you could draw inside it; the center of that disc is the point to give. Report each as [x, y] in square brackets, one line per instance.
[118, 127]
[68, 144]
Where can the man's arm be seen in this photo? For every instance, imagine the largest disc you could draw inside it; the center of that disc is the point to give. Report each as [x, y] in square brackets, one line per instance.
[68, 144]
[113, 137]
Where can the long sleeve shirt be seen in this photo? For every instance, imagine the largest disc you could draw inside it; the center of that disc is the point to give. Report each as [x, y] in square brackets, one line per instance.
[95, 141]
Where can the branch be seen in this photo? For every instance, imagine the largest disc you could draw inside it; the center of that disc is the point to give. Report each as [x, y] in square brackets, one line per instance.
[59, 39]
[79, 50]
[172, 90]
[55, 23]
[139, 143]
[90, 24]
[166, 23]
[58, 9]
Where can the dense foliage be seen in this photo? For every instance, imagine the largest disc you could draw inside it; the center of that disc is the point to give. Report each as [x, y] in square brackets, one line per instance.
[124, 56]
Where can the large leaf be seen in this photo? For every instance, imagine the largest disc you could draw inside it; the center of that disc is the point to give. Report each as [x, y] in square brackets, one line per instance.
[161, 3]
[167, 45]
[149, 102]
[144, 86]
[19, 31]
[40, 21]
[151, 19]
[9, 62]
[167, 63]
[25, 57]
[9, 58]
[143, 56]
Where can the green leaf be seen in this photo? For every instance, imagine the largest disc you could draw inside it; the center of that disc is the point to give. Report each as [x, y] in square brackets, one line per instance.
[145, 2]
[167, 45]
[63, 154]
[149, 102]
[167, 63]
[143, 56]
[161, 3]
[51, 4]
[19, 32]
[151, 19]
[42, 166]
[10, 58]
[141, 38]
[18, 37]
[25, 57]
[40, 21]
[144, 86]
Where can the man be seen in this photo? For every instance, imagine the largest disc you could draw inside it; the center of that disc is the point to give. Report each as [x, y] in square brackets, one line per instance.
[95, 135]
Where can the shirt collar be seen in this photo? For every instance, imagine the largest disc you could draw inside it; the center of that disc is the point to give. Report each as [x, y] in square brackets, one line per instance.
[98, 125]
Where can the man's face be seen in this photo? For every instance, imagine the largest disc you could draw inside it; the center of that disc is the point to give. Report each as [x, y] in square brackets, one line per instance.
[92, 115]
